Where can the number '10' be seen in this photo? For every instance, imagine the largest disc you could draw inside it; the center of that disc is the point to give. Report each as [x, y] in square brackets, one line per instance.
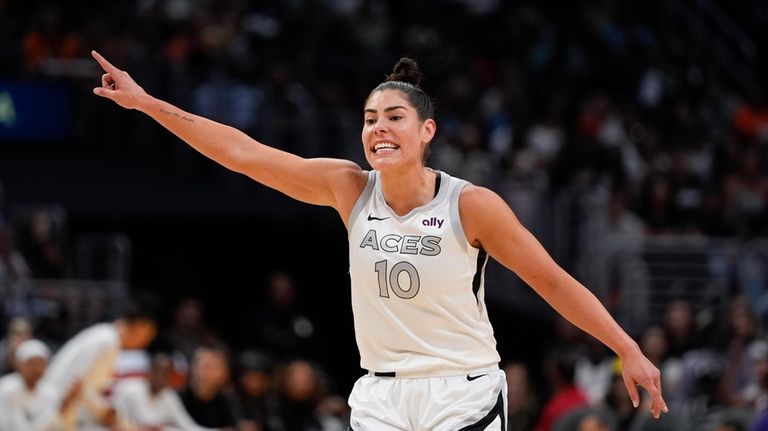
[394, 279]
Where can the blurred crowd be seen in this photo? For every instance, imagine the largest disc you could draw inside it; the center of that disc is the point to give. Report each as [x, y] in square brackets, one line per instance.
[532, 99]
[714, 372]
[185, 376]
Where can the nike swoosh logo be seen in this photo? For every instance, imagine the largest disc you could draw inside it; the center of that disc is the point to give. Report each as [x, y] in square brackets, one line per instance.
[470, 378]
[370, 217]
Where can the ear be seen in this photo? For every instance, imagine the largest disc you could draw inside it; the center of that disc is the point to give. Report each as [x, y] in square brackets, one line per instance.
[428, 130]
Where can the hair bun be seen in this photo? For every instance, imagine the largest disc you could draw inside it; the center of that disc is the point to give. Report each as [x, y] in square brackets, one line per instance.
[406, 70]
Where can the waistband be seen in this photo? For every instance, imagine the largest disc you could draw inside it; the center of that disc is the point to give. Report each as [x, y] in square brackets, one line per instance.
[437, 372]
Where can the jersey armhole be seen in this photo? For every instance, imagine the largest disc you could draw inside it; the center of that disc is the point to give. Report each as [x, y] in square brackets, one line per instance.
[458, 229]
[361, 200]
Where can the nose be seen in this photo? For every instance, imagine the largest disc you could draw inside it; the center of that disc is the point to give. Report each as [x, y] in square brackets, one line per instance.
[379, 128]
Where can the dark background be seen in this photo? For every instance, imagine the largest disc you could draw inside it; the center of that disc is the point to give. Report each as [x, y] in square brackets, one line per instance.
[198, 230]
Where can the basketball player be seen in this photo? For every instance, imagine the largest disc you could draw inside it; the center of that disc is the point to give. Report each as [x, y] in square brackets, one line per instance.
[419, 241]
[88, 359]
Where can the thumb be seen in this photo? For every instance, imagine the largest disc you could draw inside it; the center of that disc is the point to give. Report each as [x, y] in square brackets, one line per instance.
[104, 92]
[632, 389]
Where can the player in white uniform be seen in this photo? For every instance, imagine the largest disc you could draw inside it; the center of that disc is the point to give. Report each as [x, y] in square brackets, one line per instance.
[418, 241]
[88, 359]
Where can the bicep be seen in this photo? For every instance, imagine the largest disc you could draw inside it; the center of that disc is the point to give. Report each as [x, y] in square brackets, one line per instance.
[491, 224]
[315, 181]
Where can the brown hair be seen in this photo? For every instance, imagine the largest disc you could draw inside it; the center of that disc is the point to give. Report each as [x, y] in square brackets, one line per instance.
[407, 77]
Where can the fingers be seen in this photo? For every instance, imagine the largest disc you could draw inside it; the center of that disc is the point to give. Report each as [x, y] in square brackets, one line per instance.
[657, 405]
[107, 66]
[632, 390]
[107, 88]
[107, 81]
[104, 92]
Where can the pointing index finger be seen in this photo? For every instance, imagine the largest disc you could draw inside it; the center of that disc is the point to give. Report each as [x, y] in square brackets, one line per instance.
[106, 65]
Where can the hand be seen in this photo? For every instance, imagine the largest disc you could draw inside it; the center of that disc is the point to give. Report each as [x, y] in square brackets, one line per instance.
[636, 370]
[108, 418]
[72, 395]
[117, 85]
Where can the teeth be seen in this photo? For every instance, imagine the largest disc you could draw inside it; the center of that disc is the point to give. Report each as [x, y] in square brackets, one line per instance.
[381, 145]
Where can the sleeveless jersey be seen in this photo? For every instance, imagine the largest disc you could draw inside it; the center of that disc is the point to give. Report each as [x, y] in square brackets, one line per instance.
[418, 286]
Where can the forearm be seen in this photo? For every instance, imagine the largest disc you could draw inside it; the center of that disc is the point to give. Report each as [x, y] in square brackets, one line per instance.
[307, 180]
[219, 142]
[579, 306]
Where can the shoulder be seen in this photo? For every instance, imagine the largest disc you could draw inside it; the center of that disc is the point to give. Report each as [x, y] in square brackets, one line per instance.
[9, 383]
[482, 212]
[357, 176]
[474, 197]
[349, 187]
[100, 334]
[342, 170]
[130, 384]
[105, 332]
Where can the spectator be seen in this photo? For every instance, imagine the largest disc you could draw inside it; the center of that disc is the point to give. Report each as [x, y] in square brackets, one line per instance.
[22, 407]
[522, 405]
[593, 423]
[679, 325]
[151, 402]
[619, 403]
[466, 157]
[189, 329]
[653, 342]
[206, 397]
[756, 393]
[255, 391]
[738, 336]
[40, 240]
[19, 330]
[282, 325]
[559, 369]
[13, 266]
[593, 370]
[300, 392]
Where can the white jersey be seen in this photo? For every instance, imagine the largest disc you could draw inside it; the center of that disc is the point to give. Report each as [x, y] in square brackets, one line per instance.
[89, 357]
[418, 287]
[137, 406]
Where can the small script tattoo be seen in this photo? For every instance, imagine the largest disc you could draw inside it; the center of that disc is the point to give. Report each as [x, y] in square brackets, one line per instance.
[177, 115]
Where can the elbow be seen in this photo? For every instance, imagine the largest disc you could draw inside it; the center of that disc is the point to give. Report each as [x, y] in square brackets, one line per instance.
[236, 157]
[233, 162]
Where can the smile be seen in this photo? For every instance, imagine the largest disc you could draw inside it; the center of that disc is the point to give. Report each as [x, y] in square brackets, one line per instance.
[384, 146]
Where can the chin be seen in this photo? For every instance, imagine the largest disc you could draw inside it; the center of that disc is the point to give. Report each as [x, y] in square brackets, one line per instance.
[383, 163]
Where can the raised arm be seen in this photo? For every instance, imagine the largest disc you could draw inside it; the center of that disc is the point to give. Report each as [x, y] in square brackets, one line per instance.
[489, 223]
[321, 181]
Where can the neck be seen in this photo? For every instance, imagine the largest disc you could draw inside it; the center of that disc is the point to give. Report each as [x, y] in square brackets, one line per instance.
[154, 389]
[405, 191]
[30, 384]
[204, 393]
[121, 326]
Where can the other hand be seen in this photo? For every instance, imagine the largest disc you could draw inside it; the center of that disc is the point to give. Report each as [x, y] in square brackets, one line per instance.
[636, 370]
[117, 85]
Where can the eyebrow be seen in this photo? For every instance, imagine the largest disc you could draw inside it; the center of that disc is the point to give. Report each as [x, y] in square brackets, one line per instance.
[387, 109]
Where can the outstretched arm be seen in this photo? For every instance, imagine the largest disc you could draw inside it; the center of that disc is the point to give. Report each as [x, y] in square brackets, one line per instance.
[321, 181]
[490, 223]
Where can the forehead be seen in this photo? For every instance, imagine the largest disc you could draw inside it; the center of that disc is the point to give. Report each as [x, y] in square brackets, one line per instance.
[35, 361]
[382, 99]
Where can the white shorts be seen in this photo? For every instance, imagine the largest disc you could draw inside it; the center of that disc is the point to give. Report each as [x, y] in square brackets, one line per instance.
[468, 402]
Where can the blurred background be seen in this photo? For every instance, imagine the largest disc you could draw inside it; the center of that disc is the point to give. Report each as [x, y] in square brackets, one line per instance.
[630, 137]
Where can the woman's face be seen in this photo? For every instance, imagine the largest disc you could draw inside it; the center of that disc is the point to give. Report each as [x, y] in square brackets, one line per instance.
[393, 134]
